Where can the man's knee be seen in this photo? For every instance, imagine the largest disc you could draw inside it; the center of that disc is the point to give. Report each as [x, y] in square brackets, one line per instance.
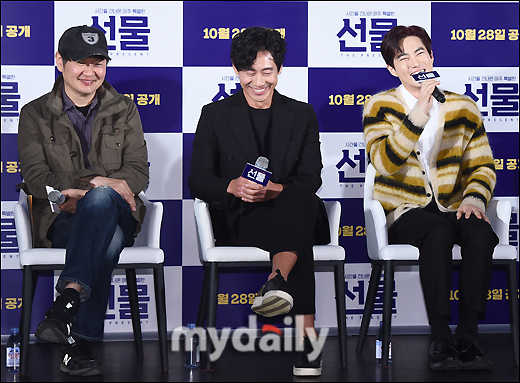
[481, 233]
[297, 192]
[102, 197]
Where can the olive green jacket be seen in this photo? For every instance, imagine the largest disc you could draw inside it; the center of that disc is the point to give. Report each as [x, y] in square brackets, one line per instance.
[50, 152]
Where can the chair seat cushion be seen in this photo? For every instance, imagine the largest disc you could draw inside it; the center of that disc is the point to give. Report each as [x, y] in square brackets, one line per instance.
[57, 256]
[254, 254]
[411, 253]
[329, 253]
[399, 253]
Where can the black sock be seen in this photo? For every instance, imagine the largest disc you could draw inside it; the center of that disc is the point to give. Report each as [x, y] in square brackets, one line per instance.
[68, 296]
[439, 327]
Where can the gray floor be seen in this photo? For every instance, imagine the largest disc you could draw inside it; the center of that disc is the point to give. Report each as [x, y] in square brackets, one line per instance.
[410, 356]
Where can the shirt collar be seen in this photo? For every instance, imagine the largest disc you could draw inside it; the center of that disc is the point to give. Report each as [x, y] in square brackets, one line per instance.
[68, 104]
[411, 100]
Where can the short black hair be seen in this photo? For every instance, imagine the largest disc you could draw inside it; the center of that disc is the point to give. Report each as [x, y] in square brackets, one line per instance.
[246, 45]
[393, 40]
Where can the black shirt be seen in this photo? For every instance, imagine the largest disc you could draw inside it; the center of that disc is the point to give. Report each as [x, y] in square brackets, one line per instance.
[261, 120]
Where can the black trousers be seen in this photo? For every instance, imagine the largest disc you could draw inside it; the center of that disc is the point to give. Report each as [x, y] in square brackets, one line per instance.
[434, 233]
[286, 223]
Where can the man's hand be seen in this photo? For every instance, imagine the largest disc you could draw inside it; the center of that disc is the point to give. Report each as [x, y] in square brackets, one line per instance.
[467, 209]
[118, 185]
[249, 191]
[425, 100]
[73, 196]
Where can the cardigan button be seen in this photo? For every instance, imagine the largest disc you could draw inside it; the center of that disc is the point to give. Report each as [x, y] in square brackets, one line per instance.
[73, 154]
[428, 195]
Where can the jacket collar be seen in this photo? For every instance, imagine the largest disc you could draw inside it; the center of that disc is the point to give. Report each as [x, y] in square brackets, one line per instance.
[107, 97]
[282, 124]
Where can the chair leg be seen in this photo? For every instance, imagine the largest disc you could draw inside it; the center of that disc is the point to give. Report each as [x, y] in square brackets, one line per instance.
[513, 306]
[212, 309]
[131, 284]
[339, 280]
[25, 321]
[387, 309]
[202, 313]
[375, 277]
[160, 307]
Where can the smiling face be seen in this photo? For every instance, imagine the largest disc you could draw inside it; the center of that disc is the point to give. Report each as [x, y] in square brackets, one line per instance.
[83, 78]
[413, 58]
[259, 81]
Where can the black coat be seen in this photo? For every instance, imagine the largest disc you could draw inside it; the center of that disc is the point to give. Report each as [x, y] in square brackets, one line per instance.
[225, 141]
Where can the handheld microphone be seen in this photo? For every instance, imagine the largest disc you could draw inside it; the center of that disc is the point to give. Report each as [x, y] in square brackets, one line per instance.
[423, 76]
[258, 172]
[439, 96]
[56, 196]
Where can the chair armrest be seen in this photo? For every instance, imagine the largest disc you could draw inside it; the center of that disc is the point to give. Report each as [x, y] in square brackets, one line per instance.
[499, 214]
[150, 234]
[334, 215]
[204, 228]
[22, 222]
[376, 229]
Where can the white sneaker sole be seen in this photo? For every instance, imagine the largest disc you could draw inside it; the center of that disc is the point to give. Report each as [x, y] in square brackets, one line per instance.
[273, 303]
[306, 371]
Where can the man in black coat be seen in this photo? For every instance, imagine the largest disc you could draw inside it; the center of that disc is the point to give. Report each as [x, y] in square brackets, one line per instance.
[285, 217]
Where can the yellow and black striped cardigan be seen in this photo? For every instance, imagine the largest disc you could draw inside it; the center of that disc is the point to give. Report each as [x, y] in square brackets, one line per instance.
[461, 166]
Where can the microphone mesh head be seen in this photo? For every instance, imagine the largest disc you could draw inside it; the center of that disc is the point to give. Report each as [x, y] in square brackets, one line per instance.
[262, 162]
[56, 197]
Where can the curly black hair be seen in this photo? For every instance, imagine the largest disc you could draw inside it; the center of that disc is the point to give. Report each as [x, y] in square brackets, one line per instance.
[246, 45]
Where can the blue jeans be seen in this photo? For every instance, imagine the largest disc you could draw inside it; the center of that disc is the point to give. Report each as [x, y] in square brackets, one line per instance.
[94, 237]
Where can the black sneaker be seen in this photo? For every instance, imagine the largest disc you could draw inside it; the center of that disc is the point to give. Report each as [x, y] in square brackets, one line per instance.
[58, 320]
[471, 355]
[273, 298]
[444, 354]
[304, 366]
[78, 359]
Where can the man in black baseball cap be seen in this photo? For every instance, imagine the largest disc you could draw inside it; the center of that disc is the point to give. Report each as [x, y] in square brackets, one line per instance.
[85, 139]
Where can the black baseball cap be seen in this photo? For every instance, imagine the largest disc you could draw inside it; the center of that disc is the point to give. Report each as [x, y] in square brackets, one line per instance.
[81, 42]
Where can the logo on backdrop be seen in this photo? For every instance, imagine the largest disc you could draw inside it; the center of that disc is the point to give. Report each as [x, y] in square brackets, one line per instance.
[9, 247]
[363, 32]
[126, 30]
[118, 311]
[351, 167]
[356, 292]
[10, 98]
[229, 86]
[497, 96]
[344, 160]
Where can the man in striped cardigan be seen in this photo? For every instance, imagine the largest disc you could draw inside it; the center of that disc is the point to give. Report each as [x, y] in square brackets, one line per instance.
[435, 177]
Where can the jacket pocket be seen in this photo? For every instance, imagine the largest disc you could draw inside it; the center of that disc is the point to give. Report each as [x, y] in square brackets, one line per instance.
[58, 150]
[112, 146]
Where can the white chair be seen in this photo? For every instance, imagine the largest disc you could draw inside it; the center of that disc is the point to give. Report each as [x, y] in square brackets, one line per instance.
[144, 254]
[385, 256]
[213, 258]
